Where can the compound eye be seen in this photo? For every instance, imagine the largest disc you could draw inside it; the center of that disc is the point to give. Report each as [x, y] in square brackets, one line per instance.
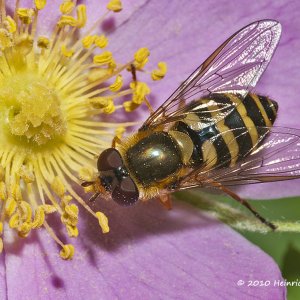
[109, 159]
[125, 193]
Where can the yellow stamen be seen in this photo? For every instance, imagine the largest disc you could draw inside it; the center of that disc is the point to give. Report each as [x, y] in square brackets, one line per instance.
[72, 231]
[2, 173]
[26, 174]
[11, 206]
[5, 39]
[25, 211]
[116, 86]
[160, 72]
[99, 74]
[40, 4]
[72, 211]
[140, 90]
[86, 174]
[88, 41]
[54, 89]
[43, 42]
[120, 131]
[114, 5]
[3, 192]
[67, 251]
[103, 221]
[67, 52]
[14, 221]
[16, 192]
[141, 57]
[25, 15]
[101, 41]
[58, 187]
[39, 218]
[24, 229]
[67, 20]
[104, 58]
[66, 7]
[130, 106]
[11, 24]
[48, 209]
[81, 16]
[104, 103]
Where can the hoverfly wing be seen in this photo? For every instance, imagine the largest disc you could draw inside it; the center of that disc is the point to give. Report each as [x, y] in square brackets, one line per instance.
[233, 67]
[275, 157]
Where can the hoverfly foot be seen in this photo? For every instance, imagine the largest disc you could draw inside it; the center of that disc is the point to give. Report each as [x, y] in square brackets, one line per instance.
[166, 201]
[116, 140]
[94, 197]
[266, 222]
[244, 203]
[87, 183]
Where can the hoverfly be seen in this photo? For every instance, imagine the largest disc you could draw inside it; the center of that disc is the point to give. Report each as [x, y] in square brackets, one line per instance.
[213, 131]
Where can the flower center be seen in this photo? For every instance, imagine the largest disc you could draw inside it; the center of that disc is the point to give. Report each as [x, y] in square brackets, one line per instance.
[53, 90]
[31, 110]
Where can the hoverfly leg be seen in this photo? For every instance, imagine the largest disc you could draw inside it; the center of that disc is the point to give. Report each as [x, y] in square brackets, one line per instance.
[116, 140]
[151, 110]
[87, 183]
[166, 201]
[245, 203]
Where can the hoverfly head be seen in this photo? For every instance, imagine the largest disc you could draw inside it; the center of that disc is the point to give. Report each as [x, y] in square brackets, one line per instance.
[115, 181]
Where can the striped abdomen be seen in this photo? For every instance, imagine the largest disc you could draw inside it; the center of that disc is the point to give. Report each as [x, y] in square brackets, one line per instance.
[223, 141]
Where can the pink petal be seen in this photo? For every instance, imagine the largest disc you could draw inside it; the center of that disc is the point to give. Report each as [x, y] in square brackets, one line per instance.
[149, 254]
[3, 286]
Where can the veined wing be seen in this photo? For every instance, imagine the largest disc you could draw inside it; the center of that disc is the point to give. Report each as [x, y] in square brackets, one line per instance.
[234, 67]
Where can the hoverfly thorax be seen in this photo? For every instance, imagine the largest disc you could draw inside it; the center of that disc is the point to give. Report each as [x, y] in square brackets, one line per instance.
[115, 179]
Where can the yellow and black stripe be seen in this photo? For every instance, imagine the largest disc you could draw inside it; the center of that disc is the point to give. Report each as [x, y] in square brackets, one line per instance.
[223, 142]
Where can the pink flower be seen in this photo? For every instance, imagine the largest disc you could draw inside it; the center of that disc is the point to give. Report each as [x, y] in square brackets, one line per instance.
[151, 253]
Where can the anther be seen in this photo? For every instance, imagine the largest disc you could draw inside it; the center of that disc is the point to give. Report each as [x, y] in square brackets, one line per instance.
[103, 221]
[25, 15]
[40, 4]
[101, 41]
[117, 85]
[10, 24]
[81, 16]
[103, 58]
[67, 7]
[114, 5]
[67, 251]
[58, 187]
[141, 57]
[140, 90]
[159, 73]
